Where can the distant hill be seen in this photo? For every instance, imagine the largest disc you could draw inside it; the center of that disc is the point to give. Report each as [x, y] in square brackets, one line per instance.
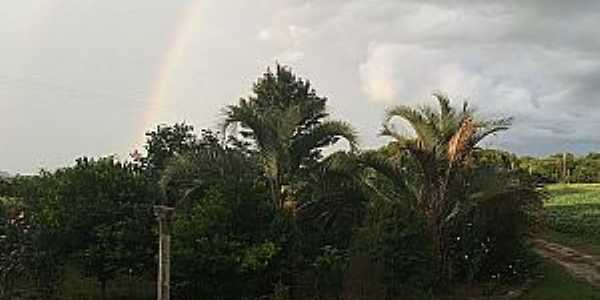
[4, 174]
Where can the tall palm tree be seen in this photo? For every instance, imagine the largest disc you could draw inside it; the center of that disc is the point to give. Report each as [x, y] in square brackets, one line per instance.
[285, 121]
[439, 152]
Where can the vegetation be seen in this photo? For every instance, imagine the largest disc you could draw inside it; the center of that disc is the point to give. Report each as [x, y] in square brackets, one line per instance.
[558, 285]
[95, 215]
[438, 193]
[573, 214]
[563, 167]
[262, 212]
[283, 121]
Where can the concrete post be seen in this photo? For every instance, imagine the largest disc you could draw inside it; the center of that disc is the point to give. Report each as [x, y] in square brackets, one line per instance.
[164, 215]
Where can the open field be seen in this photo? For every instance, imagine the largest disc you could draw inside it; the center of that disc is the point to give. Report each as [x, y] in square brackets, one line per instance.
[573, 219]
[573, 214]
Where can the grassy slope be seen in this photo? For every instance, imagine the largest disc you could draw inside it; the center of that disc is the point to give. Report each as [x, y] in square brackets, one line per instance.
[574, 216]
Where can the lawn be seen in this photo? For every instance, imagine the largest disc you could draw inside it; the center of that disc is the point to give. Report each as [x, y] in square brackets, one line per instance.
[573, 216]
[558, 285]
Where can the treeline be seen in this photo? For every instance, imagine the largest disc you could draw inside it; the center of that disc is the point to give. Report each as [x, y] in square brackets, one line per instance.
[564, 167]
[263, 213]
[556, 168]
[95, 217]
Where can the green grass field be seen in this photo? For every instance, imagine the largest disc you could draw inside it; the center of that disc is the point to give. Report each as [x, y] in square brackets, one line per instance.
[573, 219]
[573, 215]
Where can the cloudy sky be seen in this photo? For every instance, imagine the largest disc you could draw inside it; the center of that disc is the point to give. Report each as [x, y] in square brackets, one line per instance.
[89, 77]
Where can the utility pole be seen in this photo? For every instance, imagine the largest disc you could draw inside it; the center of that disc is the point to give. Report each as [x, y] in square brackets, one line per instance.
[164, 215]
[565, 175]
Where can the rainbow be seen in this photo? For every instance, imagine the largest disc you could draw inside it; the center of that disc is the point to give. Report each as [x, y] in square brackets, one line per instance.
[173, 57]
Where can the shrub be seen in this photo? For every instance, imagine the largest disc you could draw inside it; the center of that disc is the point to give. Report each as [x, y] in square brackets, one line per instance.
[395, 244]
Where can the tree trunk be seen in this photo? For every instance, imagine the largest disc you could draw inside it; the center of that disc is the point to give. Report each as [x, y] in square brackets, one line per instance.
[435, 224]
[275, 192]
[276, 183]
[441, 257]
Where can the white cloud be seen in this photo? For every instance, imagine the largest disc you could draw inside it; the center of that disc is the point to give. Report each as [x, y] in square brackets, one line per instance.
[290, 57]
[263, 35]
[297, 34]
[395, 73]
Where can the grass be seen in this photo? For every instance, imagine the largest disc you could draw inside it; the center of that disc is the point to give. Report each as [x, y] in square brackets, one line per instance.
[122, 288]
[573, 215]
[573, 219]
[558, 285]
[76, 287]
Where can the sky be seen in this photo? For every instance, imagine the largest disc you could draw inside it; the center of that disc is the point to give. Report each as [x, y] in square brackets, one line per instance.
[89, 77]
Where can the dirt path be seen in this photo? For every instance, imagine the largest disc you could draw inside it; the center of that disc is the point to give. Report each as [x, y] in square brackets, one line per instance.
[580, 265]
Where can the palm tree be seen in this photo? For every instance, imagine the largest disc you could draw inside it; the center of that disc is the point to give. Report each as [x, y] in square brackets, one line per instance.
[439, 152]
[285, 121]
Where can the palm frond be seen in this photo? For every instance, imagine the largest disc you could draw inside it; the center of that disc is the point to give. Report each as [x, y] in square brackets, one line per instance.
[444, 102]
[322, 135]
[424, 129]
[460, 144]
[487, 128]
[246, 116]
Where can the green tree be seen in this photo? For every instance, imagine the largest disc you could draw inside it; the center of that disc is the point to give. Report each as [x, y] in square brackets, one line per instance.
[435, 186]
[110, 217]
[164, 143]
[95, 215]
[285, 121]
[225, 242]
[587, 169]
[14, 245]
[45, 242]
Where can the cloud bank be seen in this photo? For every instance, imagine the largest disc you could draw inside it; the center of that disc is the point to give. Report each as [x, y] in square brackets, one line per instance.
[76, 76]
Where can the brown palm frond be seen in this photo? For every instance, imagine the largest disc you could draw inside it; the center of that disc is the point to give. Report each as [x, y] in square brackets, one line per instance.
[460, 144]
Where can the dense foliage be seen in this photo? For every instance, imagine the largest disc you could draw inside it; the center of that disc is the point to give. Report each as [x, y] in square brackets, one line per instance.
[262, 212]
[95, 216]
[563, 167]
[284, 121]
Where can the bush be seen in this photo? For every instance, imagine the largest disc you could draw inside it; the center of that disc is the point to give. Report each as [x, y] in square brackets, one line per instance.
[221, 249]
[490, 243]
[394, 244]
